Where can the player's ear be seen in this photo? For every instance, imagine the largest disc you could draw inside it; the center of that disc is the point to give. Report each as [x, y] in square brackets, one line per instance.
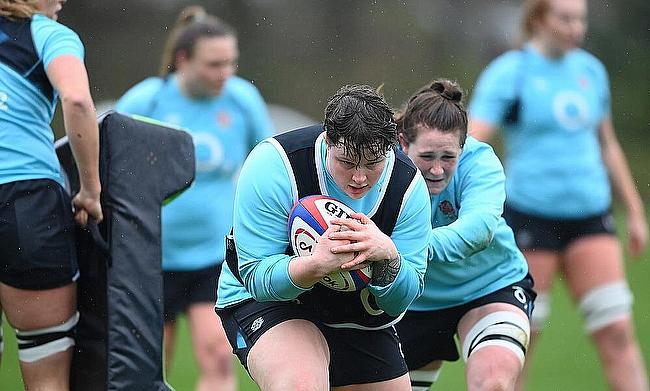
[403, 143]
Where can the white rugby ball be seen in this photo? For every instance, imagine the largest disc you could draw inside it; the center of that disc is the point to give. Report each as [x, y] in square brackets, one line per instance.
[308, 220]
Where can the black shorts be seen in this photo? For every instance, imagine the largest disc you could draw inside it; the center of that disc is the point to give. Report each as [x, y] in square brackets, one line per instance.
[428, 336]
[534, 232]
[36, 235]
[356, 356]
[183, 288]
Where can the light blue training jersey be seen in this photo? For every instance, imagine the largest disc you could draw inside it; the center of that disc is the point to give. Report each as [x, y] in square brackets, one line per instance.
[224, 129]
[554, 167]
[28, 100]
[263, 201]
[472, 251]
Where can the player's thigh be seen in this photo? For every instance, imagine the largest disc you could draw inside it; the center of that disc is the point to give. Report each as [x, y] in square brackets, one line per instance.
[35, 309]
[36, 236]
[206, 330]
[592, 261]
[543, 265]
[402, 383]
[291, 348]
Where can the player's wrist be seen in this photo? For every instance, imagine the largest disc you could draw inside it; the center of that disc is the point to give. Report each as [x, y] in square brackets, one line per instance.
[304, 271]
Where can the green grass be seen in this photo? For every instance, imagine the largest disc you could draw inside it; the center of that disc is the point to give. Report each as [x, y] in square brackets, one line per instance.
[564, 359]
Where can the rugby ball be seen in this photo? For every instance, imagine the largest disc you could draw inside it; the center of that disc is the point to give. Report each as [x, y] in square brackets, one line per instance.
[308, 220]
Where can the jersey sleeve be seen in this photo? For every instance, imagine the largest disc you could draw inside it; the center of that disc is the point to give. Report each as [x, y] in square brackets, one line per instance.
[53, 39]
[409, 236]
[495, 89]
[263, 201]
[481, 194]
[139, 98]
[606, 99]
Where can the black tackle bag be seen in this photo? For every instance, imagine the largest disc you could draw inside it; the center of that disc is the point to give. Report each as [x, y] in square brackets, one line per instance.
[120, 331]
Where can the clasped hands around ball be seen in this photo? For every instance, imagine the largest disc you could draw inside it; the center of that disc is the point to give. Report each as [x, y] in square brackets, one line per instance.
[365, 243]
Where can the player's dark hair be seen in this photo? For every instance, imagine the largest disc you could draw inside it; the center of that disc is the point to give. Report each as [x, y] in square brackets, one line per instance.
[192, 24]
[358, 118]
[437, 105]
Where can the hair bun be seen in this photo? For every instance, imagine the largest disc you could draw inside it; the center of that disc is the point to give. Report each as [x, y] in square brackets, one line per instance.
[447, 89]
[191, 14]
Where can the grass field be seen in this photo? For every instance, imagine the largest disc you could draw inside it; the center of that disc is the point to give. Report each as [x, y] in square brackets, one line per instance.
[564, 360]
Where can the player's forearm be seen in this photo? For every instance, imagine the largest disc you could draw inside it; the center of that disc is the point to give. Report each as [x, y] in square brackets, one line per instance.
[396, 297]
[622, 182]
[269, 279]
[83, 135]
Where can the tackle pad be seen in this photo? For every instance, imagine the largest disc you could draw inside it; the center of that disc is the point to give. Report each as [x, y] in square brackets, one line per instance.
[120, 331]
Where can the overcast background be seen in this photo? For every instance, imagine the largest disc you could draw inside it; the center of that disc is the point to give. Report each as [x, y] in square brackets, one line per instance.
[299, 52]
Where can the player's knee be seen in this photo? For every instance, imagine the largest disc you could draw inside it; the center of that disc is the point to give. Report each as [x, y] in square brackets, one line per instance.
[541, 311]
[605, 305]
[35, 345]
[616, 339]
[422, 380]
[492, 383]
[504, 329]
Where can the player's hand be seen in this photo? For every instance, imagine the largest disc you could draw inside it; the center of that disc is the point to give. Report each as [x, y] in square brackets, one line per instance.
[637, 234]
[323, 255]
[367, 242]
[86, 203]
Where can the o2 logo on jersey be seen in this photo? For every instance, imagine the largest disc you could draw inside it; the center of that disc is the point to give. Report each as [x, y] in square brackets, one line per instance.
[3, 101]
[209, 152]
[369, 303]
[570, 109]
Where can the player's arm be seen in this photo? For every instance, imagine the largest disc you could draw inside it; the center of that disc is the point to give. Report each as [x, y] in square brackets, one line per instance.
[263, 200]
[491, 96]
[624, 188]
[482, 130]
[404, 282]
[482, 187]
[68, 76]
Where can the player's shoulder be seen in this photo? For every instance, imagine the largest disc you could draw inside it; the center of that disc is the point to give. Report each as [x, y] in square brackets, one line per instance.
[41, 24]
[587, 59]
[475, 147]
[136, 99]
[147, 87]
[239, 87]
[507, 61]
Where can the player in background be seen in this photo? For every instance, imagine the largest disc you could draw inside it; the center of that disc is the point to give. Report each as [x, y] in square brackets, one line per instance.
[226, 116]
[477, 284]
[552, 100]
[288, 331]
[41, 60]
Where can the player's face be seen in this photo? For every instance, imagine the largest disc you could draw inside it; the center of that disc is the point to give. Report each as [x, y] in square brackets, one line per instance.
[213, 61]
[355, 177]
[51, 8]
[564, 26]
[436, 154]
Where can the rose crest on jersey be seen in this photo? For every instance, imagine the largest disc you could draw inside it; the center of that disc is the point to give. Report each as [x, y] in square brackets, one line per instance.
[447, 209]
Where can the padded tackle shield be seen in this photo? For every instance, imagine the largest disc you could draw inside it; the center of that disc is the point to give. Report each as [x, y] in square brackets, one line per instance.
[120, 332]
